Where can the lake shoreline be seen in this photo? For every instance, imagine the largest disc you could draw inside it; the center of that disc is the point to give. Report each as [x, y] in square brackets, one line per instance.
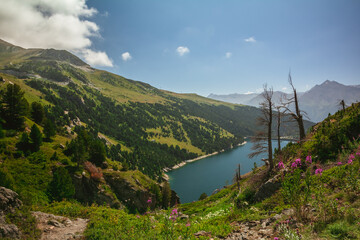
[183, 163]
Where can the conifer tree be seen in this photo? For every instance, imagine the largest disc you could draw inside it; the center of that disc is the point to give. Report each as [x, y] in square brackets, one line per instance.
[13, 106]
[35, 138]
[61, 186]
[49, 129]
[37, 112]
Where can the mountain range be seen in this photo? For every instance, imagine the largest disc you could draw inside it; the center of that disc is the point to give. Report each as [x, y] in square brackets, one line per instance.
[318, 102]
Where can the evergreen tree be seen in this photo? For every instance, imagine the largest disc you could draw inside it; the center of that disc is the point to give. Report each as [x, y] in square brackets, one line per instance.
[1, 131]
[24, 143]
[61, 185]
[35, 138]
[14, 107]
[49, 129]
[97, 152]
[166, 195]
[37, 112]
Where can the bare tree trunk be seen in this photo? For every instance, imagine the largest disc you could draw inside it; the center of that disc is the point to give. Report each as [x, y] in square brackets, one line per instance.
[278, 129]
[269, 136]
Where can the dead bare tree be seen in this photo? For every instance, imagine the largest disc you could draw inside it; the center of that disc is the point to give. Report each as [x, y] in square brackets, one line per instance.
[262, 138]
[297, 115]
[237, 177]
[279, 116]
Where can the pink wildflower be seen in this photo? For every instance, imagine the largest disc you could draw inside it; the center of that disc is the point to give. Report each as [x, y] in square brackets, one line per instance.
[174, 211]
[308, 159]
[339, 163]
[350, 161]
[188, 224]
[352, 157]
[318, 171]
[137, 216]
[276, 238]
[358, 154]
[281, 165]
[149, 200]
[297, 163]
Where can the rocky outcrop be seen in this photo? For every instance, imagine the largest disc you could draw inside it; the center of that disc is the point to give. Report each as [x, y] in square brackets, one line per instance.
[90, 191]
[267, 189]
[9, 200]
[9, 203]
[133, 195]
[59, 228]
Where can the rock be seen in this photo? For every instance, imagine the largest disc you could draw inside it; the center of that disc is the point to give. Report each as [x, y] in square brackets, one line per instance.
[9, 231]
[267, 189]
[55, 223]
[9, 200]
[89, 191]
[202, 233]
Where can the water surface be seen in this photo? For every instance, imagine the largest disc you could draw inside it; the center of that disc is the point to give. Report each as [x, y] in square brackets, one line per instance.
[213, 172]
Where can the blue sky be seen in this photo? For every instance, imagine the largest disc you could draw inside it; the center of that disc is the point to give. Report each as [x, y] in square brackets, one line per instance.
[227, 46]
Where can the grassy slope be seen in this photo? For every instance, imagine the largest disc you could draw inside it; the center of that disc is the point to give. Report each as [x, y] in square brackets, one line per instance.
[330, 210]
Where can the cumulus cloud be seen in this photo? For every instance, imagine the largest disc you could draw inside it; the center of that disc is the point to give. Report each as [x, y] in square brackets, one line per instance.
[228, 55]
[250, 39]
[55, 24]
[96, 58]
[126, 56]
[182, 50]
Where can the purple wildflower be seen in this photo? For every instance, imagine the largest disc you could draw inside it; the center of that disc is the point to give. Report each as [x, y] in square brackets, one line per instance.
[308, 159]
[294, 165]
[276, 238]
[318, 171]
[298, 161]
[281, 165]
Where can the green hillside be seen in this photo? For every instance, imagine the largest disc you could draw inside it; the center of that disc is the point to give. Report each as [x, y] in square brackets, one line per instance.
[155, 128]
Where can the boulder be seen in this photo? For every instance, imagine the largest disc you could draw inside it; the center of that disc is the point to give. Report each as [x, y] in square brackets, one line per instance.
[9, 202]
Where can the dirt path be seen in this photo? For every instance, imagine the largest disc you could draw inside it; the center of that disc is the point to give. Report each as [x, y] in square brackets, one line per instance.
[258, 230]
[59, 228]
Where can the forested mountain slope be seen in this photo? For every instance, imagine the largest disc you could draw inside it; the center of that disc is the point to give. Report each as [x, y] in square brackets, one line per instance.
[155, 128]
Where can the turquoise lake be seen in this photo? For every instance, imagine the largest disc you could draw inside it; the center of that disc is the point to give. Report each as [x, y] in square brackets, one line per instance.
[213, 172]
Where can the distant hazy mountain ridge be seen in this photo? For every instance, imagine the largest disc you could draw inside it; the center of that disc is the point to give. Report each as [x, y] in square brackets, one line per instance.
[317, 102]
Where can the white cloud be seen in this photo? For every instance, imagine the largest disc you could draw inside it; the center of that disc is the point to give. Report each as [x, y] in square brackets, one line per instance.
[182, 50]
[97, 58]
[58, 24]
[126, 56]
[228, 55]
[248, 92]
[284, 88]
[250, 39]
